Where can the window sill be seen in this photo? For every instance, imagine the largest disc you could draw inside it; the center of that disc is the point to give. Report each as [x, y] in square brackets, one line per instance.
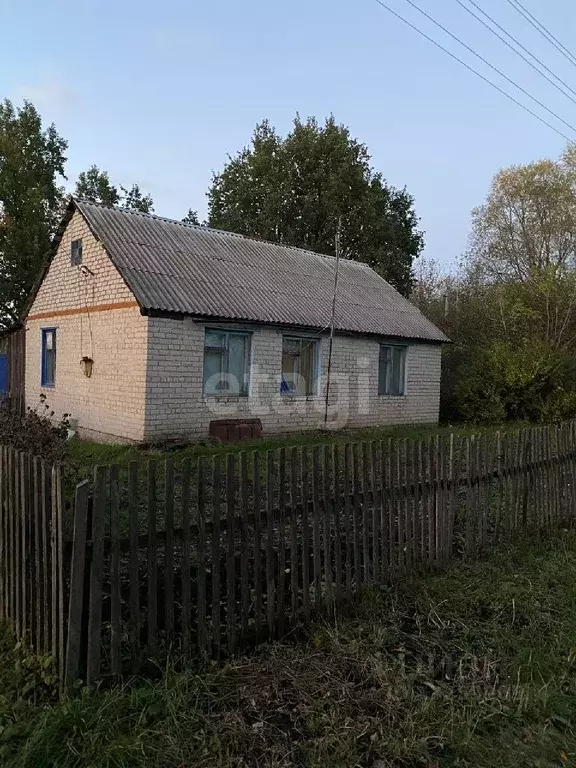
[224, 398]
[289, 396]
[404, 395]
[47, 386]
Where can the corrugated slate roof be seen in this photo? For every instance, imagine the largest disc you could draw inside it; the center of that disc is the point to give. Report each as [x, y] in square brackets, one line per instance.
[194, 270]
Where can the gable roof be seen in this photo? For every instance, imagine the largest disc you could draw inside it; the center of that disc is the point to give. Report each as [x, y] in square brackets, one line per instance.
[193, 270]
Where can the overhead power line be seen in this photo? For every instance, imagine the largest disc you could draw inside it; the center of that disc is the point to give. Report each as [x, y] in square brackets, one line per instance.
[474, 71]
[518, 53]
[495, 69]
[531, 19]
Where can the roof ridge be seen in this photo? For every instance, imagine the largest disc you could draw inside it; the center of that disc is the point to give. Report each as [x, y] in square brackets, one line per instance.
[205, 228]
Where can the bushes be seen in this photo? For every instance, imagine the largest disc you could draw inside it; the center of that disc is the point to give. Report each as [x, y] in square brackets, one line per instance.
[506, 382]
[35, 432]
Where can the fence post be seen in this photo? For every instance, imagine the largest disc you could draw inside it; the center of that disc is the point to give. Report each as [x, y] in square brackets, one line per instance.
[134, 599]
[169, 550]
[216, 495]
[468, 522]
[76, 599]
[348, 512]
[96, 569]
[294, 559]
[37, 606]
[316, 526]
[281, 453]
[337, 522]
[54, 563]
[453, 482]
[244, 561]
[115, 576]
[201, 567]
[3, 514]
[186, 579]
[17, 544]
[527, 478]
[327, 527]
[231, 552]
[270, 557]
[152, 554]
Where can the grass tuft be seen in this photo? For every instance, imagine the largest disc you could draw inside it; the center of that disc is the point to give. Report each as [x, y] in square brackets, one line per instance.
[474, 667]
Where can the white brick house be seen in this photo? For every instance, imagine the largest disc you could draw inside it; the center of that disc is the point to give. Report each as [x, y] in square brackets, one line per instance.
[144, 329]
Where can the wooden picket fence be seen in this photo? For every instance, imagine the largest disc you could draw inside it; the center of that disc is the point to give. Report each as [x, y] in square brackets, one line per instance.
[198, 558]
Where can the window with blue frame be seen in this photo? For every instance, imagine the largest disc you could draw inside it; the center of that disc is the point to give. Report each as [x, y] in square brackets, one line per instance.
[48, 378]
[226, 362]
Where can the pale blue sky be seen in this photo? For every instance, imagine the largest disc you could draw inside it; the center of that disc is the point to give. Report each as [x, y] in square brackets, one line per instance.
[160, 93]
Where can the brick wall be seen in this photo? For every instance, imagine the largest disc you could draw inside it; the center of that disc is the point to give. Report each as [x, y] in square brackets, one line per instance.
[95, 316]
[176, 407]
[147, 375]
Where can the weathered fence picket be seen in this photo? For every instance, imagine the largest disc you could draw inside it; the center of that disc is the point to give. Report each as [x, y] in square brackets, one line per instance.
[199, 558]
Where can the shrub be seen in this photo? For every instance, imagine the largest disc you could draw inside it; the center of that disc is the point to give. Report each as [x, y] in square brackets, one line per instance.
[523, 382]
[36, 431]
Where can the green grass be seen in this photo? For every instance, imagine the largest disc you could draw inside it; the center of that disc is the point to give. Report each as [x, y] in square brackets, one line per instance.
[84, 454]
[475, 667]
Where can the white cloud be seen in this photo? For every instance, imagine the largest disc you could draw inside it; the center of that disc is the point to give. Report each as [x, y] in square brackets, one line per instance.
[50, 95]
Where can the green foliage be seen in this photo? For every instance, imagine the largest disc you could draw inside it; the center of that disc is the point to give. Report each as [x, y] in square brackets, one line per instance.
[27, 685]
[134, 199]
[504, 382]
[296, 189]
[95, 185]
[191, 217]
[511, 311]
[35, 431]
[31, 162]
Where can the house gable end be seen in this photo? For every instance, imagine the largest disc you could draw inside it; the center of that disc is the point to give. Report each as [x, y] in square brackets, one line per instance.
[94, 284]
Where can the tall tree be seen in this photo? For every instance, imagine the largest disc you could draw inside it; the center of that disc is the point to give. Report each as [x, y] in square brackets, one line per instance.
[527, 225]
[134, 199]
[191, 217]
[95, 185]
[519, 279]
[31, 164]
[296, 189]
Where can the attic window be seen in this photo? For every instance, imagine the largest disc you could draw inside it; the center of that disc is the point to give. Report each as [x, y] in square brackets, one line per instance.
[76, 253]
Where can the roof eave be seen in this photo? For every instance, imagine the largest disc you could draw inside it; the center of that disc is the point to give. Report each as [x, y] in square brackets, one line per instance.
[171, 315]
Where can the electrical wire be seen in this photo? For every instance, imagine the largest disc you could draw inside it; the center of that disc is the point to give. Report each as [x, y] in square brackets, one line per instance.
[474, 71]
[485, 61]
[531, 19]
[518, 43]
[518, 53]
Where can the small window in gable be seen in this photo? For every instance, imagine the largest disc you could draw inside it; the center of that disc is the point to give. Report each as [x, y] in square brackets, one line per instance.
[76, 253]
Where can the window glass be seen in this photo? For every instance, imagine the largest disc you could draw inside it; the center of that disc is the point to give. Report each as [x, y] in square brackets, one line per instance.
[299, 366]
[76, 252]
[226, 363]
[391, 370]
[48, 375]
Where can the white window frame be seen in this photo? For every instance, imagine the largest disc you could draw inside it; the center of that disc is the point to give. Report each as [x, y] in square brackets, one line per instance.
[384, 390]
[302, 338]
[227, 332]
